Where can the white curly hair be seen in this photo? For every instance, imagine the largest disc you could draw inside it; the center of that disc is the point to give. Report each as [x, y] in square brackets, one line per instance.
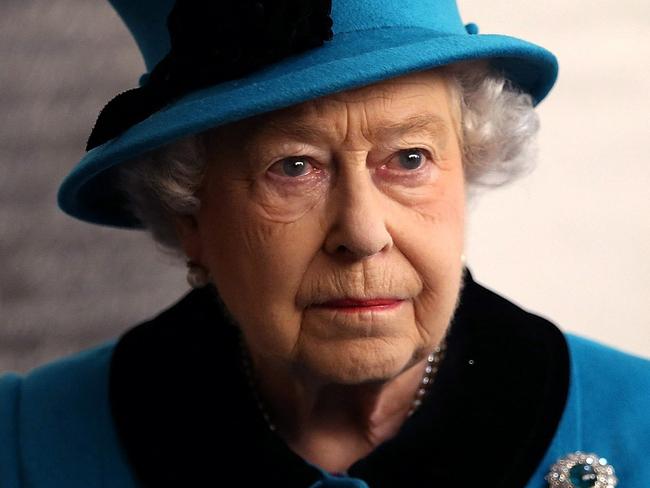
[497, 131]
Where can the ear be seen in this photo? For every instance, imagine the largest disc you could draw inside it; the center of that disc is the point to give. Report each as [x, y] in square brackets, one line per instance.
[189, 236]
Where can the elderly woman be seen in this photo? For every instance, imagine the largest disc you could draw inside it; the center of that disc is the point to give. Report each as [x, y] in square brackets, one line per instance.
[311, 162]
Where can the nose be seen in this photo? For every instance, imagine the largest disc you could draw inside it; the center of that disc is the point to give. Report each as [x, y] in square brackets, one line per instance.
[358, 224]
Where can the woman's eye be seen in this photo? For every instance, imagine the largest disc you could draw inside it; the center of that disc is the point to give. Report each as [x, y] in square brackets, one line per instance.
[292, 167]
[411, 159]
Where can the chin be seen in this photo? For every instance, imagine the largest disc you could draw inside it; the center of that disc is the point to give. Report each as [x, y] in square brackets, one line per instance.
[355, 361]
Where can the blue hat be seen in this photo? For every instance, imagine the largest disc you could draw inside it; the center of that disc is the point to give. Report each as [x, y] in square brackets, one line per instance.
[211, 63]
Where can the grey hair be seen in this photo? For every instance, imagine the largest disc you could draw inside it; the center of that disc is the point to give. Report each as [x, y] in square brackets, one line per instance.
[497, 125]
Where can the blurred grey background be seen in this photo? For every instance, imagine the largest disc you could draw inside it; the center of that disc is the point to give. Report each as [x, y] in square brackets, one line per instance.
[570, 241]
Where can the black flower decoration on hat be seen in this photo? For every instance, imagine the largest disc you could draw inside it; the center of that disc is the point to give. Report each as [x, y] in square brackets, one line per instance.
[212, 42]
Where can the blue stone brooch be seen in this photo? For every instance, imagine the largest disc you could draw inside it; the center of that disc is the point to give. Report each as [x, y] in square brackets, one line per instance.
[581, 470]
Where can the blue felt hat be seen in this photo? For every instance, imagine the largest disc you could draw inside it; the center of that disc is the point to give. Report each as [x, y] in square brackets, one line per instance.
[362, 42]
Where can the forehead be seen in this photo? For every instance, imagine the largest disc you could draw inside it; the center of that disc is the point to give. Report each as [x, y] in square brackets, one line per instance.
[403, 92]
[414, 102]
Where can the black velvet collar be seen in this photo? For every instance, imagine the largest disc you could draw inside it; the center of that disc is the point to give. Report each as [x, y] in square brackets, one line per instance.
[186, 417]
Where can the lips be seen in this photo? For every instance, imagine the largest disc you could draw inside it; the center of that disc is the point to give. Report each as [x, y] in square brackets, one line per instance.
[349, 302]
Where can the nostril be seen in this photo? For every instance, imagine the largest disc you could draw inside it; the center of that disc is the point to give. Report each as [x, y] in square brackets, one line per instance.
[346, 252]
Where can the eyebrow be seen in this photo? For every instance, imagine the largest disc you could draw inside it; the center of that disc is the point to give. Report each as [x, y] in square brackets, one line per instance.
[429, 124]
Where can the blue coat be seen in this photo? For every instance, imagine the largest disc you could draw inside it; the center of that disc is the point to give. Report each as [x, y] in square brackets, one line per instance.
[167, 404]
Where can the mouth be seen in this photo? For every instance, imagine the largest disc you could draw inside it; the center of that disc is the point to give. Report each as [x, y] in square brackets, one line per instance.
[354, 305]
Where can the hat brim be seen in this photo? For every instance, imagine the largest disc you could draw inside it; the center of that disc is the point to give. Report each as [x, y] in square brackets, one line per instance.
[349, 60]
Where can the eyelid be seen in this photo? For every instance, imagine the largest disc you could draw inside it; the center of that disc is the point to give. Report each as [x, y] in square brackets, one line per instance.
[429, 154]
[297, 179]
[297, 154]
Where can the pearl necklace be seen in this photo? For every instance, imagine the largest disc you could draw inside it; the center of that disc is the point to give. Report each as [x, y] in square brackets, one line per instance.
[433, 362]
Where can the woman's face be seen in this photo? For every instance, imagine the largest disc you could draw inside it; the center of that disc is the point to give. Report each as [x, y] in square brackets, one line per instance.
[358, 194]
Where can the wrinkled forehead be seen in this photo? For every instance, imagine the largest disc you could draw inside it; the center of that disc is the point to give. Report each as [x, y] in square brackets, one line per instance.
[418, 101]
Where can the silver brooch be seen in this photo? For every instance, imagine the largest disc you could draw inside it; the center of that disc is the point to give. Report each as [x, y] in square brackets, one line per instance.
[581, 470]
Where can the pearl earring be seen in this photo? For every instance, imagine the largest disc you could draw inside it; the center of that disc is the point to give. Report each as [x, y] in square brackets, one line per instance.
[463, 259]
[197, 275]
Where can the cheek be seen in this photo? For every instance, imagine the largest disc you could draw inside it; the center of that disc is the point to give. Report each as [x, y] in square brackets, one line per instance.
[431, 238]
[430, 232]
[258, 264]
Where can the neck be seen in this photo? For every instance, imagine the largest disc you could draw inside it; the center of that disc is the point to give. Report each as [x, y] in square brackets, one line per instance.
[331, 424]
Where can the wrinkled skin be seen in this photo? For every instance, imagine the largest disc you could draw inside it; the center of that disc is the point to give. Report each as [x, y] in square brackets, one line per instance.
[356, 213]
